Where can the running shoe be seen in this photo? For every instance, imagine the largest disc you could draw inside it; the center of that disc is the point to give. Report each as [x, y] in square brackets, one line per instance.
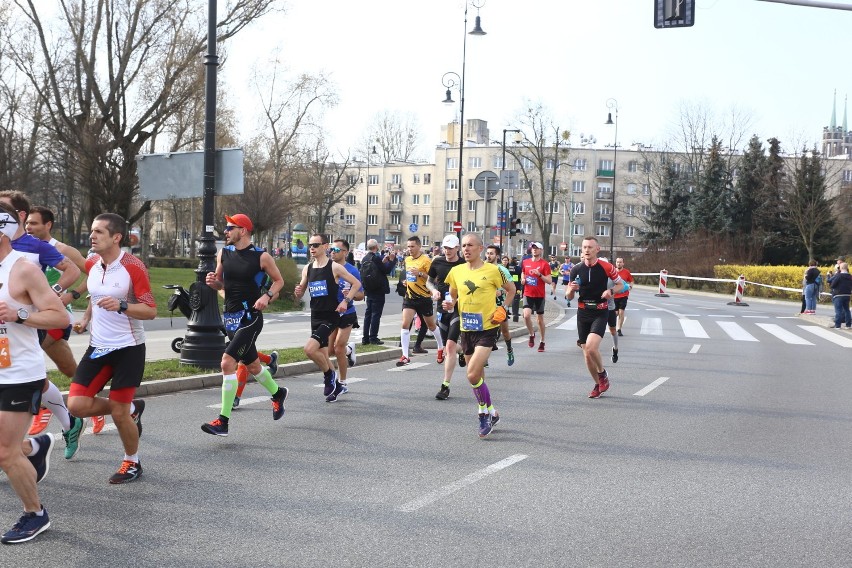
[27, 528]
[604, 385]
[462, 360]
[329, 383]
[343, 386]
[614, 355]
[40, 422]
[273, 363]
[444, 393]
[580, 345]
[510, 357]
[376, 341]
[531, 342]
[338, 390]
[217, 427]
[72, 437]
[41, 459]
[137, 416]
[440, 358]
[278, 402]
[403, 361]
[419, 350]
[596, 393]
[236, 403]
[98, 423]
[620, 334]
[129, 471]
[495, 418]
[350, 354]
[485, 424]
[541, 347]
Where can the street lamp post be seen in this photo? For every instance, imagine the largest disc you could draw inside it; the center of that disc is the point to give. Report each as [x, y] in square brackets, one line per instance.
[449, 82]
[503, 186]
[204, 343]
[62, 214]
[612, 104]
[367, 194]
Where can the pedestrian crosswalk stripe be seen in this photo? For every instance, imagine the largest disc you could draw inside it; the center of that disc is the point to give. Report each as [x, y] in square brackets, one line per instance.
[570, 324]
[735, 331]
[408, 367]
[651, 326]
[828, 335]
[692, 328]
[783, 334]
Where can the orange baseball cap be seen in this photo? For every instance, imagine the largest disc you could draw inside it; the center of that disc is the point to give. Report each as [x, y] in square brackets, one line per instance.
[240, 220]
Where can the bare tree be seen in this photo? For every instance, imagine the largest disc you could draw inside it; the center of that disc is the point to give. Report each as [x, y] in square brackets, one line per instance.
[397, 136]
[328, 181]
[541, 156]
[111, 73]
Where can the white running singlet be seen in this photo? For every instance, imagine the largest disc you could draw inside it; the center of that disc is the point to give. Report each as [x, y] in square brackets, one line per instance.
[21, 357]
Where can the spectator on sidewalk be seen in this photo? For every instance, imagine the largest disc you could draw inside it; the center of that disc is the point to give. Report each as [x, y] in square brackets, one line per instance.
[841, 289]
[812, 275]
[376, 295]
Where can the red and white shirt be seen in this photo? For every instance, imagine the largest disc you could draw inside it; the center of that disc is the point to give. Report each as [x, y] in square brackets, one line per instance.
[533, 284]
[126, 278]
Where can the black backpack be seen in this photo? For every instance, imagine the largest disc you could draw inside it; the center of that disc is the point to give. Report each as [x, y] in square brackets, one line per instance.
[371, 277]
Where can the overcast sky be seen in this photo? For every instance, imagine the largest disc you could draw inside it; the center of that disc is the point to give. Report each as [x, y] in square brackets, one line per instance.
[779, 64]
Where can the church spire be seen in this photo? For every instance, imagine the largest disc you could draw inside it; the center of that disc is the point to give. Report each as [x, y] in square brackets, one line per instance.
[833, 123]
[845, 99]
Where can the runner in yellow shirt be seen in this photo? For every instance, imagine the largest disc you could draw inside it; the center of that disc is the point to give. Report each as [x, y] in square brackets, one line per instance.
[473, 289]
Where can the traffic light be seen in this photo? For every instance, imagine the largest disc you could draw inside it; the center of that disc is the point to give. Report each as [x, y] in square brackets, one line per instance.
[674, 13]
[515, 227]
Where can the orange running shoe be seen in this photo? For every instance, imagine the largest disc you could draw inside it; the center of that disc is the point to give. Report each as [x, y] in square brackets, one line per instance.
[98, 423]
[40, 422]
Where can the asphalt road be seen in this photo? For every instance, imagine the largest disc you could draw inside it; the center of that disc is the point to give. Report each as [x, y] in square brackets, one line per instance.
[722, 442]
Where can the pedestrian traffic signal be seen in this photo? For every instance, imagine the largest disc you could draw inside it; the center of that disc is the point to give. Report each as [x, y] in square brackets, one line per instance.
[515, 227]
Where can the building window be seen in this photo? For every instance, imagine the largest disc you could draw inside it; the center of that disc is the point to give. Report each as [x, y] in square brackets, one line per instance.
[350, 220]
[524, 207]
[578, 186]
[352, 179]
[847, 175]
[452, 184]
[554, 205]
[632, 166]
[426, 199]
[552, 185]
[646, 167]
[452, 163]
[373, 179]
[630, 210]
[396, 198]
[526, 228]
[395, 218]
[629, 231]
[372, 219]
[416, 178]
[396, 178]
[427, 178]
[350, 237]
[631, 189]
[554, 229]
[646, 189]
[415, 219]
[605, 165]
[579, 165]
[452, 205]
[449, 227]
[350, 200]
[471, 205]
[579, 208]
[471, 226]
[526, 163]
[602, 230]
[415, 199]
[579, 230]
[425, 220]
[646, 210]
[497, 163]
[603, 209]
[550, 164]
[526, 184]
[604, 188]
[470, 184]
[473, 162]
[373, 199]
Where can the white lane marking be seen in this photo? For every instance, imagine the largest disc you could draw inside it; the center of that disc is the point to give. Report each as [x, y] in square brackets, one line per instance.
[694, 349]
[756, 317]
[783, 334]
[722, 316]
[408, 367]
[348, 381]
[735, 331]
[692, 328]
[828, 335]
[244, 401]
[451, 488]
[570, 324]
[651, 326]
[651, 387]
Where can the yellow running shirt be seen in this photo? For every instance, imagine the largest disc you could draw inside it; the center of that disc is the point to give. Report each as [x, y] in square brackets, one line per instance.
[477, 294]
[414, 267]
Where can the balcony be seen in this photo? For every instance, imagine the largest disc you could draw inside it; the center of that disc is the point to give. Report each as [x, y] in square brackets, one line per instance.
[603, 217]
[395, 187]
[393, 206]
[606, 173]
[603, 195]
[393, 227]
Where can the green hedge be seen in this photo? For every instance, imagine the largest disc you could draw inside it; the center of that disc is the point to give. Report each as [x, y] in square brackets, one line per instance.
[783, 276]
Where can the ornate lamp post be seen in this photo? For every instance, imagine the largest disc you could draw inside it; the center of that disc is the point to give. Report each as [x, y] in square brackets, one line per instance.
[367, 196]
[451, 80]
[612, 104]
[505, 214]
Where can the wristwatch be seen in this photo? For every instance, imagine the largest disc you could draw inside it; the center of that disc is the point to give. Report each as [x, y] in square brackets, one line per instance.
[122, 306]
[74, 294]
[270, 294]
[23, 314]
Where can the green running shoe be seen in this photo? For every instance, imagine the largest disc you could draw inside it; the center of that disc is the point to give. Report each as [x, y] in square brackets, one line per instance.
[72, 437]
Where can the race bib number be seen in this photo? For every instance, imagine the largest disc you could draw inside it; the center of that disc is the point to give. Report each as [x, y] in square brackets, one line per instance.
[471, 322]
[101, 351]
[233, 319]
[411, 276]
[5, 355]
[318, 288]
[532, 281]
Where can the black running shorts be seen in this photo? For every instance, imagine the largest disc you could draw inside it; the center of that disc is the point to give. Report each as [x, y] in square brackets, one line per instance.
[591, 321]
[534, 304]
[21, 397]
[470, 340]
[423, 306]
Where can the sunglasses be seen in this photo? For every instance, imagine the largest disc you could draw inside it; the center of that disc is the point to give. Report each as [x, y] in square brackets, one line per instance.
[315, 245]
[335, 249]
[231, 228]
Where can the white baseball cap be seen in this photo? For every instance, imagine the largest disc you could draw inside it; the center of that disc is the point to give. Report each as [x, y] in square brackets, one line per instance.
[536, 244]
[450, 241]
